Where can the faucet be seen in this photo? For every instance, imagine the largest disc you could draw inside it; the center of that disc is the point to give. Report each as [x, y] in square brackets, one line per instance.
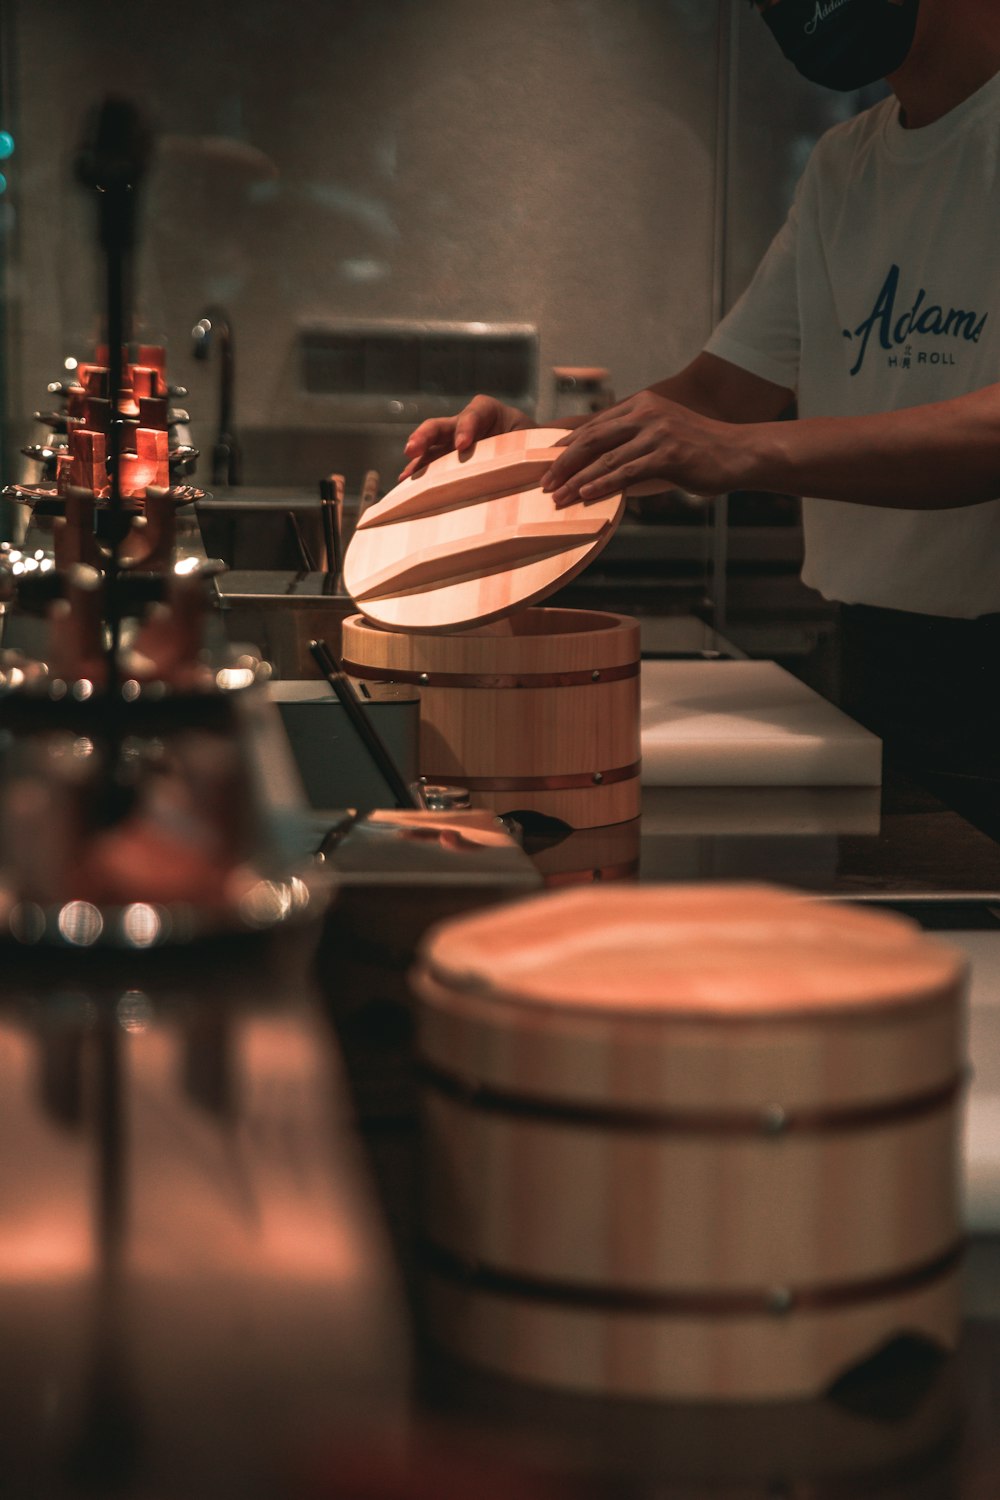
[226, 456]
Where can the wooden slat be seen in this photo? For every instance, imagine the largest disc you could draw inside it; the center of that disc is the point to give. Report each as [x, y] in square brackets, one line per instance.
[428, 494]
[450, 561]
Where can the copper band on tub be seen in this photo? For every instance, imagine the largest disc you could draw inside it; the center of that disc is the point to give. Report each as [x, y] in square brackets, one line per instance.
[754, 1301]
[537, 783]
[771, 1120]
[590, 678]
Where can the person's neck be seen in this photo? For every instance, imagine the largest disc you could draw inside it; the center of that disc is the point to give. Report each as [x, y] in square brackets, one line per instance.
[952, 56]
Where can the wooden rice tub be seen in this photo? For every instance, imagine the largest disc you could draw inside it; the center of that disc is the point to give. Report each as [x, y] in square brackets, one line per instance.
[691, 1142]
[537, 712]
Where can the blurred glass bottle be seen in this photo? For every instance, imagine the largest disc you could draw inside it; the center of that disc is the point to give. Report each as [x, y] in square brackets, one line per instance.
[579, 390]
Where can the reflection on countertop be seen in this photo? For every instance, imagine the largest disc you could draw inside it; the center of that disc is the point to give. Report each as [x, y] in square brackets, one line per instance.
[897, 845]
[193, 1280]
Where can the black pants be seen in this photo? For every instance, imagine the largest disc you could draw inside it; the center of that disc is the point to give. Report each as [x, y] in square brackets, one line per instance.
[929, 687]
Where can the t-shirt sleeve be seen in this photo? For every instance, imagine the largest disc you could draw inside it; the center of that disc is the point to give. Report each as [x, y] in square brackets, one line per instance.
[760, 333]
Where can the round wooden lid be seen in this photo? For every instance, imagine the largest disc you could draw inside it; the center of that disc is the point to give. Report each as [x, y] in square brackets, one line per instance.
[729, 951]
[472, 537]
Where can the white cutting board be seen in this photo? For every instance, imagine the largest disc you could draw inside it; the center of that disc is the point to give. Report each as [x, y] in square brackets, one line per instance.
[747, 723]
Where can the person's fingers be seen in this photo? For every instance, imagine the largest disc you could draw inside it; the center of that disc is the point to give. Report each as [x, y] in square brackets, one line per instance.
[416, 464]
[429, 440]
[466, 432]
[481, 418]
[420, 462]
[430, 434]
[422, 436]
[589, 442]
[612, 472]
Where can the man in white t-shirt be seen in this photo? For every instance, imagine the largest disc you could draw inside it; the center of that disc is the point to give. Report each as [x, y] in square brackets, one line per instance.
[877, 311]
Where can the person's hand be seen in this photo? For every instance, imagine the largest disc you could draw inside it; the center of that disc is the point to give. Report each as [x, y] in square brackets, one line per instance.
[483, 417]
[647, 437]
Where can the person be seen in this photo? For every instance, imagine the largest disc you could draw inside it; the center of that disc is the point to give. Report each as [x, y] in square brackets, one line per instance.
[876, 311]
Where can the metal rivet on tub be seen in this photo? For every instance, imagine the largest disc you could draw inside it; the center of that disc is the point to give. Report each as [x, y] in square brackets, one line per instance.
[774, 1120]
[779, 1300]
[595, 676]
[598, 777]
[423, 679]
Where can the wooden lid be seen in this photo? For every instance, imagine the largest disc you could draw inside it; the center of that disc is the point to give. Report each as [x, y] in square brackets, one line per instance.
[585, 374]
[739, 952]
[471, 538]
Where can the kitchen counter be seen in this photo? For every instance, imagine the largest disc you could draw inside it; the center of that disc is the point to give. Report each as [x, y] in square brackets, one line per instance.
[902, 847]
[208, 1287]
[919, 1427]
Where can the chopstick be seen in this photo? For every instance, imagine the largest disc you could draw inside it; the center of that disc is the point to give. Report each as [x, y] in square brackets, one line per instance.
[335, 675]
[305, 555]
[329, 538]
[331, 494]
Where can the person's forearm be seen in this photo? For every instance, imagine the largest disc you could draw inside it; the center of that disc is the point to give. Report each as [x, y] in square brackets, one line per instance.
[686, 388]
[699, 396]
[922, 458]
[714, 388]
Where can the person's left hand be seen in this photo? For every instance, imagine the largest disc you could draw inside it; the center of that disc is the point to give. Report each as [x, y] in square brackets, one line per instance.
[647, 437]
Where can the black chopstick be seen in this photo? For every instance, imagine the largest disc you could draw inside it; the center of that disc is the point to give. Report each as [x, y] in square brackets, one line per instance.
[329, 530]
[304, 554]
[369, 735]
[331, 494]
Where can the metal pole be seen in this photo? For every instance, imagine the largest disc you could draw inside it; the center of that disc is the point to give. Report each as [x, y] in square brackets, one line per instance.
[725, 112]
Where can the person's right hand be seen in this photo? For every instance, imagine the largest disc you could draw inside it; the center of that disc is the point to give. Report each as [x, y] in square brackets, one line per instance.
[483, 417]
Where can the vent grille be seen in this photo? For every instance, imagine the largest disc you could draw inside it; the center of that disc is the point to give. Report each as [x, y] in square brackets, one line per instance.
[407, 361]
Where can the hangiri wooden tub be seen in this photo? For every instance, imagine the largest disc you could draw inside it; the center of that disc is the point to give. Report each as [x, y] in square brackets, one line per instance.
[535, 712]
[689, 1142]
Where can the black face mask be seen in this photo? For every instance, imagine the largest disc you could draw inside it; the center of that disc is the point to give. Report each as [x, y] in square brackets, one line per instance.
[843, 44]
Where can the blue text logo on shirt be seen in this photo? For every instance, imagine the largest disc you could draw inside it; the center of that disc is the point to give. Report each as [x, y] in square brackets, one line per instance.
[894, 330]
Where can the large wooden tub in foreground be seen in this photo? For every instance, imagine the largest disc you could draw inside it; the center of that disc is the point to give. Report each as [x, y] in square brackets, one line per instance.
[692, 1142]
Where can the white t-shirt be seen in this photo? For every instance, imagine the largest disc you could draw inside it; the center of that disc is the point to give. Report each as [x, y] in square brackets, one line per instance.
[882, 291]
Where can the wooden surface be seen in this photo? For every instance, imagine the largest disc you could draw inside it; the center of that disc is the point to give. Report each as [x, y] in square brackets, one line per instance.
[693, 1015]
[470, 538]
[665, 1358]
[747, 723]
[729, 951]
[482, 719]
[496, 466]
[590, 855]
[453, 560]
[533, 640]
